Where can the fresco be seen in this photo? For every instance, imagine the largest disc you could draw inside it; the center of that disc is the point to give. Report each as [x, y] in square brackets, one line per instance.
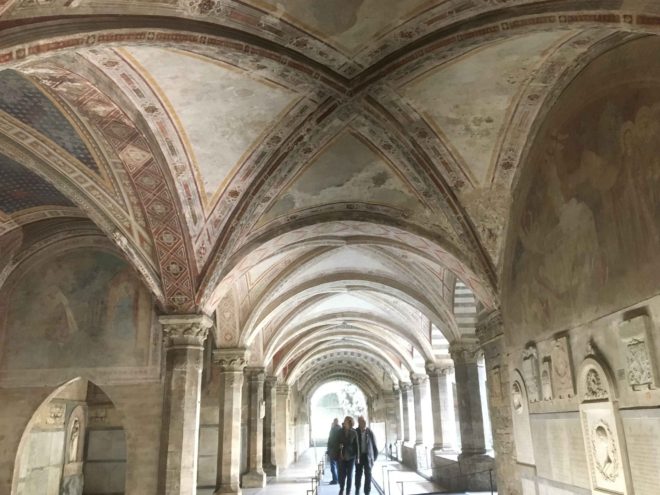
[586, 235]
[79, 309]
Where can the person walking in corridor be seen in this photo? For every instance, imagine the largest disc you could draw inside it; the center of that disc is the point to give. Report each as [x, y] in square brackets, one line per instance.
[333, 449]
[348, 448]
[367, 455]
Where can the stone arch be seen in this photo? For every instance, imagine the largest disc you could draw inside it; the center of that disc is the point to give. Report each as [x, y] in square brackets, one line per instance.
[67, 426]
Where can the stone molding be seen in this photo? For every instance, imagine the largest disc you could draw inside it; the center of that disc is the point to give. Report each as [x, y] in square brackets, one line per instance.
[282, 389]
[185, 330]
[489, 326]
[405, 386]
[231, 359]
[464, 352]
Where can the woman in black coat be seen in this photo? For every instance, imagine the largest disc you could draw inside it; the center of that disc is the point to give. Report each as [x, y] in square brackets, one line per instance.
[348, 448]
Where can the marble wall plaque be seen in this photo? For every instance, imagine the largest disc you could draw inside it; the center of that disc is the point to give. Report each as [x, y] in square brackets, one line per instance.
[562, 371]
[602, 444]
[636, 352]
[642, 430]
[531, 373]
[558, 449]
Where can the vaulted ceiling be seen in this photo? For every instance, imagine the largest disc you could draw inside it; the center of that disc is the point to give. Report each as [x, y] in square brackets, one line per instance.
[323, 175]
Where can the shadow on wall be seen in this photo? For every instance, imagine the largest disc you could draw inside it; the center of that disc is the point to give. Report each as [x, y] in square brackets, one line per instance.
[73, 445]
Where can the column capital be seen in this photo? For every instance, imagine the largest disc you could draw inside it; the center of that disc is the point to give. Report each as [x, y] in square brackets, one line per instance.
[489, 325]
[417, 379]
[464, 352]
[256, 373]
[185, 330]
[230, 359]
[270, 380]
[437, 369]
[405, 386]
[282, 389]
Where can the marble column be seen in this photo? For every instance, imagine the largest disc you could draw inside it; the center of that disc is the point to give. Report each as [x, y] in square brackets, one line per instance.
[270, 398]
[231, 363]
[418, 390]
[408, 415]
[491, 337]
[184, 348]
[255, 477]
[465, 356]
[282, 426]
[440, 405]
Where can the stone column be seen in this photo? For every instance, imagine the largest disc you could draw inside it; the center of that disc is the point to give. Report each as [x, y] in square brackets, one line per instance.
[406, 398]
[184, 347]
[491, 337]
[418, 389]
[270, 397]
[282, 426]
[391, 406]
[465, 356]
[231, 363]
[440, 405]
[255, 477]
[473, 460]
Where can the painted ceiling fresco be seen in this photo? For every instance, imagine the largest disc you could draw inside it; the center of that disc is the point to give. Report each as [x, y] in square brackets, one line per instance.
[348, 25]
[222, 111]
[270, 160]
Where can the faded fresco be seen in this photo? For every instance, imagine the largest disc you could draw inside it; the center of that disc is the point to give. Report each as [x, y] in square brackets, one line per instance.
[78, 309]
[587, 231]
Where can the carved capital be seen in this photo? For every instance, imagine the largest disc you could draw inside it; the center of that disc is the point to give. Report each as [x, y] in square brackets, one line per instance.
[256, 373]
[230, 360]
[185, 330]
[417, 379]
[282, 389]
[437, 369]
[405, 386]
[489, 326]
[464, 352]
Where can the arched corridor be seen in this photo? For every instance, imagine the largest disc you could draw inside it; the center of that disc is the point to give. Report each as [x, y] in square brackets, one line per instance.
[212, 212]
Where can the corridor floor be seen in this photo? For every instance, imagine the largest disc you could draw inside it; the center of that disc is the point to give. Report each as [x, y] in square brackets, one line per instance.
[296, 479]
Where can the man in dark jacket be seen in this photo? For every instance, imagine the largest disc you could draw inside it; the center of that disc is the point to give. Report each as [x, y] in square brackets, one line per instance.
[348, 449]
[333, 449]
[367, 455]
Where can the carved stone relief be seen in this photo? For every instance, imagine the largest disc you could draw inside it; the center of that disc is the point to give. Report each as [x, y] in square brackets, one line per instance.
[517, 398]
[561, 369]
[531, 373]
[594, 387]
[602, 444]
[546, 379]
[635, 349]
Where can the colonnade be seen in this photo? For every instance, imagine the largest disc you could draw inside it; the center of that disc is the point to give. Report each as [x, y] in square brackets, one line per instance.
[411, 411]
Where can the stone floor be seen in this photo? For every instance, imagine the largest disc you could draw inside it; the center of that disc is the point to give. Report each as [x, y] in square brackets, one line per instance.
[392, 476]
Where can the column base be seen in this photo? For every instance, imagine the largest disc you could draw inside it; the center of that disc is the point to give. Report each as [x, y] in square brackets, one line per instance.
[228, 489]
[254, 479]
[481, 468]
[271, 470]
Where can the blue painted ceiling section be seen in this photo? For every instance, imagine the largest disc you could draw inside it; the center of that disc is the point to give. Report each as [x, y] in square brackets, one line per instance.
[21, 189]
[23, 100]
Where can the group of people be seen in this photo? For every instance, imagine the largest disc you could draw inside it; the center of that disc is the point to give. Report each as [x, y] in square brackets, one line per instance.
[349, 448]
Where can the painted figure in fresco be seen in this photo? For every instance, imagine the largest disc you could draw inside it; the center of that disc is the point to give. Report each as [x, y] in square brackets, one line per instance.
[63, 324]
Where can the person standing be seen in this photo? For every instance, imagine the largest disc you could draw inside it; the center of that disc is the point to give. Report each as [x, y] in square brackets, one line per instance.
[367, 455]
[348, 448]
[333, 449]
